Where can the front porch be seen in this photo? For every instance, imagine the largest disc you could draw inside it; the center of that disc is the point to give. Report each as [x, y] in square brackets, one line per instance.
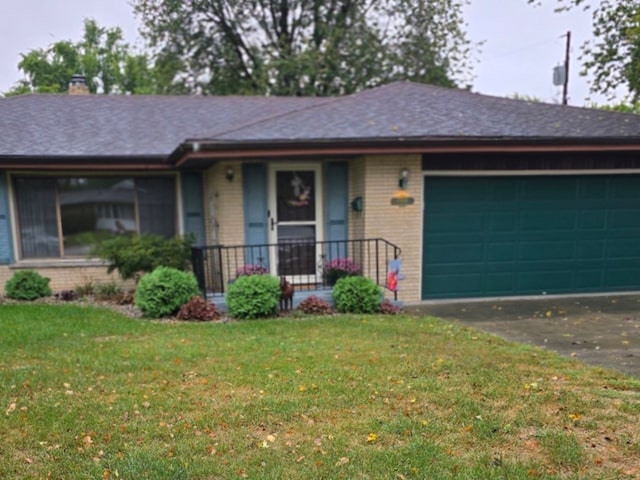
[309, 266]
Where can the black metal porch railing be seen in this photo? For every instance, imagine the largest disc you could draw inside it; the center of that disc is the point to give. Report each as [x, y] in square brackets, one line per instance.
[305, 264]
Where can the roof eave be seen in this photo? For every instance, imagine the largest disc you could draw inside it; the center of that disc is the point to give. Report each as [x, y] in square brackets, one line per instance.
[84, 162]
[203, 152]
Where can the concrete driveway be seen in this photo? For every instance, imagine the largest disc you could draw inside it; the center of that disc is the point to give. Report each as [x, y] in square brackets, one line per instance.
[599, 330]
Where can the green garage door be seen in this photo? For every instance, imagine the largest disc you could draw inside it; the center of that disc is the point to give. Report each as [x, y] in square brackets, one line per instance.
[499, 236]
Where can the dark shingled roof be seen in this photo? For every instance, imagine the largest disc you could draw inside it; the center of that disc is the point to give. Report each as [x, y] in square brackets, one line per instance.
[405, 109]
[130, 126]
[120, 125]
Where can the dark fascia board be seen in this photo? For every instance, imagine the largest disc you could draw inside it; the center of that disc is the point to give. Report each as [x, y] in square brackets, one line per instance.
[68, 162]
[204, 152]
[201, 153]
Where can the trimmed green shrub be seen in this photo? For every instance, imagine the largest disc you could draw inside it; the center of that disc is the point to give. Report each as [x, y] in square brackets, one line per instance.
[253, 296]
[357, 295]
[135, 255]
[163, 291]
[27, 285]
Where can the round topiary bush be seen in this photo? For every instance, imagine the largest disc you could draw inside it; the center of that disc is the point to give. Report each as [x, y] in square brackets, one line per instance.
[253, 296]
[163, 291]
[357, 295]
[27, 285]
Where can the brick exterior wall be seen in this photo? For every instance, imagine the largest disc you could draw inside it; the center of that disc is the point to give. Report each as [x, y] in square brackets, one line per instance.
[224, 215]
[357, 189]
[375, 178]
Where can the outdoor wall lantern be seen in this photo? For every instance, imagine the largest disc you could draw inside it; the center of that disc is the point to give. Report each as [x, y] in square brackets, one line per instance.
[404, 178]
[356, 204]
[229, 174]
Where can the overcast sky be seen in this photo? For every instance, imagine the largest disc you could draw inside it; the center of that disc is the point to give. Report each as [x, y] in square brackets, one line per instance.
[521, 46]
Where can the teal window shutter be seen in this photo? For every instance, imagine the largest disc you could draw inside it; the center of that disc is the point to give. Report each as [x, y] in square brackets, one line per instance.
[254, 191]
[6, 249]
[336, 205]
[193, 205]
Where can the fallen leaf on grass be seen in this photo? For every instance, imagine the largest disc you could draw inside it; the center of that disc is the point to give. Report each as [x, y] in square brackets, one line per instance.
[342, 461]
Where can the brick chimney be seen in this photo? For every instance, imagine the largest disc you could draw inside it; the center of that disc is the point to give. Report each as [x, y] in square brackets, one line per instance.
[78, 85]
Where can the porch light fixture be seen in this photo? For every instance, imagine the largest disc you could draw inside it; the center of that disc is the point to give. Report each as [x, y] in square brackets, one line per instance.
[229, 174]
[404, 178]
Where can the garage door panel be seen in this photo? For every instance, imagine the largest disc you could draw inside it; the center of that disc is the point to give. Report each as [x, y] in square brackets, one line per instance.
[555, 235]
[622, 249]
[467, 189]
[546, 250]
[537, 283]
[467, 284]
[595, 219]
[620, 277]
[546, 220]
[588, 279]
[627, 218]
[507, 194]
[466, 223]
[502, 221]
[450, 253]
[500, 283]
[625, 187]
[555, 188]
[593, 188]
[590, 250]
[501, 252]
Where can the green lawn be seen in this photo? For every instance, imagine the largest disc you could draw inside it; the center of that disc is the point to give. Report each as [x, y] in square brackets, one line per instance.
[88, 394]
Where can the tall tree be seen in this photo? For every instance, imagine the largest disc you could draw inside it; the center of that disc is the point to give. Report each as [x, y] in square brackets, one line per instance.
[613, 57]
[102, 56]
[305, 47]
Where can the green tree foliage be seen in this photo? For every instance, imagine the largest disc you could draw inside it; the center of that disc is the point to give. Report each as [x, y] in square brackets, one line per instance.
[102, 56]
[622, 107]
[613, 57]
[138, 254]
[304, 47]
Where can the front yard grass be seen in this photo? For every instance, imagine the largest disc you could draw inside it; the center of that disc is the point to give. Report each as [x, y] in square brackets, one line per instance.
[87, 393]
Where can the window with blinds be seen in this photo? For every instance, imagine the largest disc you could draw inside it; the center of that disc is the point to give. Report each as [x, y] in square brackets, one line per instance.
[68, 216]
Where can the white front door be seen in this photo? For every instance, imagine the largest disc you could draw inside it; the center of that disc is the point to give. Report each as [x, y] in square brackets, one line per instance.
[295, 220]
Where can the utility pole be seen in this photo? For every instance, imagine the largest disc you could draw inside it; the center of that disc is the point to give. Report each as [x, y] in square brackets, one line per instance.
[565, 88]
